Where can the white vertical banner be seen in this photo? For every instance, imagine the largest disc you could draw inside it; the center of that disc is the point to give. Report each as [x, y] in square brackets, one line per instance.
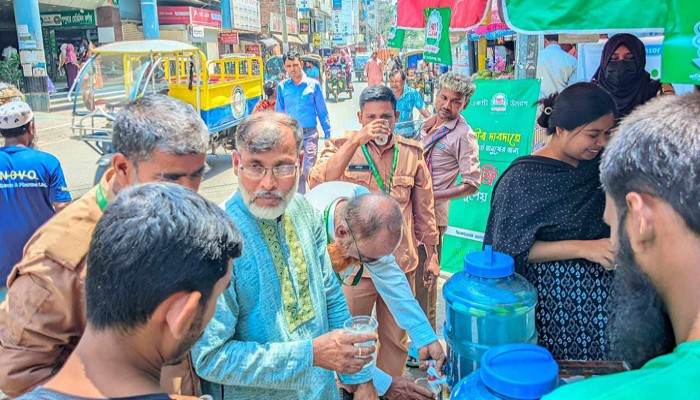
[337, 27]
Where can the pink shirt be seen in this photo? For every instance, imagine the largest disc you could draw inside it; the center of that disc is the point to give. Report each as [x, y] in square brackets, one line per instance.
[457, 153]
[375, 72]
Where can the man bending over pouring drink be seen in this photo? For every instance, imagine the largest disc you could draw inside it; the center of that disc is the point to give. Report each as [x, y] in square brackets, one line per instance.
[362, 230]
[383, 162]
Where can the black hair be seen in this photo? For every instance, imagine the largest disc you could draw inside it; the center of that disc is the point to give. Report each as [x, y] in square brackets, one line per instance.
[377, 93]
[577, 105]
[269, 88]
[395, 71]
[552, 38]
[291, 55]
[153, 241]
[509, 45]
[17, 131]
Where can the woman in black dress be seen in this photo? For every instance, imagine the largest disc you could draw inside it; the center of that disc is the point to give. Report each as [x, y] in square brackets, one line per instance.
[547, 212]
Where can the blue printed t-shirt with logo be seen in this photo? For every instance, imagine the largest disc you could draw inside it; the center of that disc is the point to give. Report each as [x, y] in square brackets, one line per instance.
[30, 181]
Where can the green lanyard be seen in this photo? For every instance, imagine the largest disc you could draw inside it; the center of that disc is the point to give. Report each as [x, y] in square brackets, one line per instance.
[358, 276]
[101, 198]
[375, 172]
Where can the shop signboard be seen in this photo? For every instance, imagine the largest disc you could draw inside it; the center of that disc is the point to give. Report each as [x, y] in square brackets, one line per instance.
[253, 49]
[337, 4]
[205, 17]
[197, 31]
[502, 115]
[316, 41]
[173, 15]
[292, 26]
[246, 15]
[179, 15]
[437, 36]
[275, 22]
[228, 38]
[69, 19]
[304, 5]
[304, 25]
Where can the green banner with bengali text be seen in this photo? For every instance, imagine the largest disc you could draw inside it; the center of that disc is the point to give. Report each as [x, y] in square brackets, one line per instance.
[681, 49]
[502, 115]
[584, 16]
[437, 36]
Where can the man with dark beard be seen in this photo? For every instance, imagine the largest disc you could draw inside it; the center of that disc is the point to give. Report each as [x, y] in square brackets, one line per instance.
[160, 257]
[651, 175]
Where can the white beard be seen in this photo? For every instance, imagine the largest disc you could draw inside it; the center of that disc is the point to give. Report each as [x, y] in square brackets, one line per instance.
[268, 212]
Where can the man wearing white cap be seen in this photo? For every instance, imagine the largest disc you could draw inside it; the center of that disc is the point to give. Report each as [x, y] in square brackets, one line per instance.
[363, 229]
[32, 185]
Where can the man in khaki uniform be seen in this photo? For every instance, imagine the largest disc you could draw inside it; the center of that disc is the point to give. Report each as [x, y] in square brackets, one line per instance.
[156, 138]
[385, 163]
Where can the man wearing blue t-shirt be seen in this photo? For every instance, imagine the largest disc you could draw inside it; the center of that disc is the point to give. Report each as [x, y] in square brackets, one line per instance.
[407, 99]
[32, 185]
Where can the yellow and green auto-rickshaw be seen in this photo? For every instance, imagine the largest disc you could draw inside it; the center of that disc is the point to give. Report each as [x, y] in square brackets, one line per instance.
[223, 91]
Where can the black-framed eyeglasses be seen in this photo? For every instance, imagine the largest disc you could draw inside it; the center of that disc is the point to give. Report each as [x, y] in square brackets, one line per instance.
[279, 171]
[363, 260]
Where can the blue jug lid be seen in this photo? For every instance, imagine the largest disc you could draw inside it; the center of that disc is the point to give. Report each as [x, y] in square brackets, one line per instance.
[489, 264]
[520, 371]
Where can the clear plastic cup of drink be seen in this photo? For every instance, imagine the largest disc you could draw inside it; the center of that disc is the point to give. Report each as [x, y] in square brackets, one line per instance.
[363, 324]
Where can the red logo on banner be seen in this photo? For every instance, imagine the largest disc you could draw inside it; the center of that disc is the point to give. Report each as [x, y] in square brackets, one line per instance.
[489, 174]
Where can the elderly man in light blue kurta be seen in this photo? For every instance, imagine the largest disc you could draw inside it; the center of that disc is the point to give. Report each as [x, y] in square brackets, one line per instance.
[277, 331]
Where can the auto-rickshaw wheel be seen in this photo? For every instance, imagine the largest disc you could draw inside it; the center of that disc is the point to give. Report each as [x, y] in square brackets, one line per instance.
[229, 143]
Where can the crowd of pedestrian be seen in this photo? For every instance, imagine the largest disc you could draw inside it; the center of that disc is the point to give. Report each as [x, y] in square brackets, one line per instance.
[143, 282]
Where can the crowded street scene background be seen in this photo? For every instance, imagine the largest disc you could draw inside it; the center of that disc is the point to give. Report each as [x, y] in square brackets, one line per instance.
[350, 200]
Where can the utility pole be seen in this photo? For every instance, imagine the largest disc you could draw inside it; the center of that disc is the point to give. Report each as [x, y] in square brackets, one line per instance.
[285, 41]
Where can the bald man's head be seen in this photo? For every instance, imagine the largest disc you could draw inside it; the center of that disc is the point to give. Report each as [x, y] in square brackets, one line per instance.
[375, 217]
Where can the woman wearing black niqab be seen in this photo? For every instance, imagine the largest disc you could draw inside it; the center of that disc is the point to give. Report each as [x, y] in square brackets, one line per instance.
[625, 78]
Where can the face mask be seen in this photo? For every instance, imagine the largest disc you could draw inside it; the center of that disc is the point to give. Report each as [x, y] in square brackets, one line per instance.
[620, 73]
